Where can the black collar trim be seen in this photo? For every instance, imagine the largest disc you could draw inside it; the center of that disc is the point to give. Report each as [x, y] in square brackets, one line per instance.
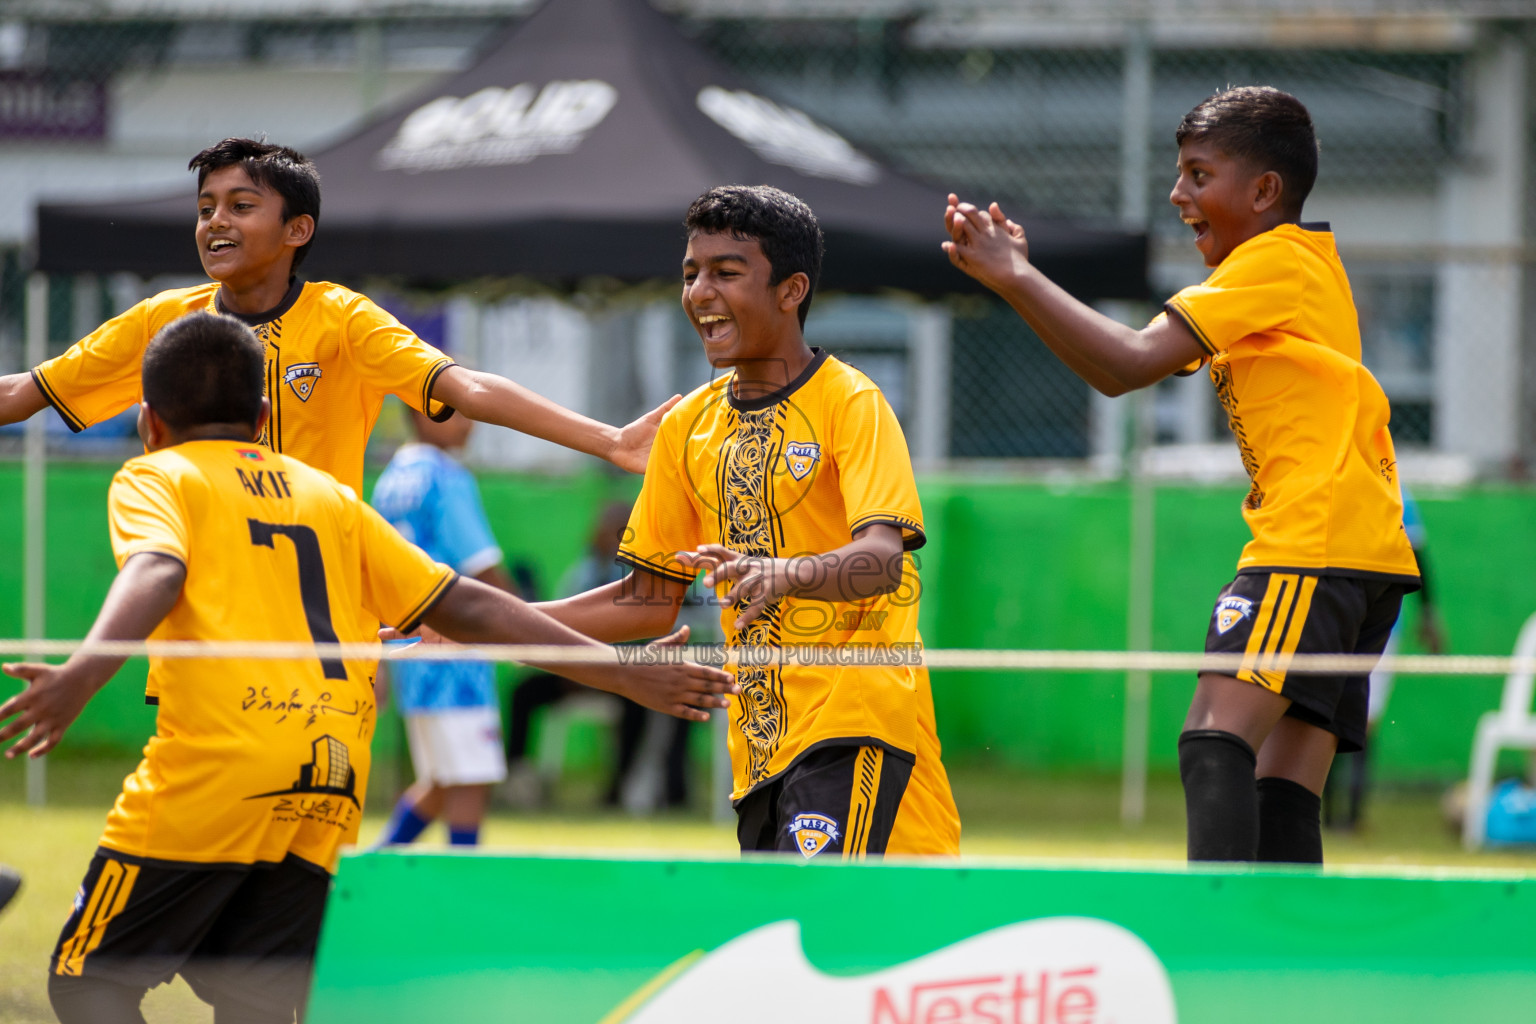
[295, 289]
[1315, 225]
[772, 398]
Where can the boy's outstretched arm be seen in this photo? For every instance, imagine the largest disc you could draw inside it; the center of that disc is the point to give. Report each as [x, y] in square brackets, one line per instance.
[142, 594]
[489, 398]
[472, 612]
[638, 607]
[20, 397]
[1110, 356]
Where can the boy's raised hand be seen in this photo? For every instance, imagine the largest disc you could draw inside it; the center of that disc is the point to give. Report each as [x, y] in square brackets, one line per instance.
[984, 243]
[676, 687]
[633, 446]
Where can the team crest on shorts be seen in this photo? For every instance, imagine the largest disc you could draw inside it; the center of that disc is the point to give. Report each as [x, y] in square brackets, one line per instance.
[1230, 611]
[302, 378]
[813, 832]
[801, 457]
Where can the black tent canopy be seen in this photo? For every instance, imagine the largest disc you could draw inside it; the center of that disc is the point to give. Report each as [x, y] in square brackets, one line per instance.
[571, 149]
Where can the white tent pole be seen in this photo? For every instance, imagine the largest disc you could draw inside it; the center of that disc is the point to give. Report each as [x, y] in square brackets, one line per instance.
[35, 509]
[1138, 620]
[1136, 111]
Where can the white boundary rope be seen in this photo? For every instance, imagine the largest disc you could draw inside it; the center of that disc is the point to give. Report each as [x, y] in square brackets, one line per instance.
[848, 655]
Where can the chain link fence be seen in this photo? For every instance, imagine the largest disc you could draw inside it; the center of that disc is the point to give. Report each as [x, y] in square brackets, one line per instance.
[1427, 172]
[1043, 132]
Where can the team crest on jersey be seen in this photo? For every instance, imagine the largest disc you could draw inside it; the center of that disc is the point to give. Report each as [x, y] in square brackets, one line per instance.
[801, 457]
[1230, 611]
[813, 832]
[302, 378]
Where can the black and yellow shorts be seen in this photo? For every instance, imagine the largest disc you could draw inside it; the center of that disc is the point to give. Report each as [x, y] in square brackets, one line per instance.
[837, 800]
[241, 932]
[1267, 617]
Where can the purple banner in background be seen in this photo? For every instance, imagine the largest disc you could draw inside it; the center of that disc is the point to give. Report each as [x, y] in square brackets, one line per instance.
[34, 106]
[429, 320]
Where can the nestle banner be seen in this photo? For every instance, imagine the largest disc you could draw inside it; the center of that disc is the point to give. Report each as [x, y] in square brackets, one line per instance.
[37, 106]
[477, 939]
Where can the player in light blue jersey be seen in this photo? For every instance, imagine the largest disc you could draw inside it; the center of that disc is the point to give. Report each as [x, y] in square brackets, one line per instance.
[450, 708]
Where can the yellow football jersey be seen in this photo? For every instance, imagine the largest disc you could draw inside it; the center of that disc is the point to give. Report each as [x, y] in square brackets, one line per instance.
[332, 356]
[791, 473]
[1278, 319]
[254, 759]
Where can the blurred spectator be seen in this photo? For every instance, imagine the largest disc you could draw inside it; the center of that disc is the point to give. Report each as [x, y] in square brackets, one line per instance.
[651, 750]
[450, 709]
[1431, 636]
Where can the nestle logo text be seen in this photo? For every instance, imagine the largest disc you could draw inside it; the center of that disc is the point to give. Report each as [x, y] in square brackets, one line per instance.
[1028, 997]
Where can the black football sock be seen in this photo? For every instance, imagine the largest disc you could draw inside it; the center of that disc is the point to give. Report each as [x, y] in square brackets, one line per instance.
[1220, 801]
[1290, 831]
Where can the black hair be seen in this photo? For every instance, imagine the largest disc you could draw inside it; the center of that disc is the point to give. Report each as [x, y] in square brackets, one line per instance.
[285, 171]
[784, 226]
[204, 368]
[1267, 128]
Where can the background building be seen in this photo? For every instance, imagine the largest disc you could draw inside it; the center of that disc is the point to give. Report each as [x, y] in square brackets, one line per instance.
[1053, 108]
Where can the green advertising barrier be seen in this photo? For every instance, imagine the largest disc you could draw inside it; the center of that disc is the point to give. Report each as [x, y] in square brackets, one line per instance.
[469, 938]
[1009, 563]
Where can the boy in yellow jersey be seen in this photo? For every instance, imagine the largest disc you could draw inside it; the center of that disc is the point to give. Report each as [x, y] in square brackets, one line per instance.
[332, 355]
[789, 481]
[216, 858]
[1329, 562]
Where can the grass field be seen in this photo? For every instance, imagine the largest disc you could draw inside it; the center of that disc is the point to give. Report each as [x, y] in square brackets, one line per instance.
[1006, 816]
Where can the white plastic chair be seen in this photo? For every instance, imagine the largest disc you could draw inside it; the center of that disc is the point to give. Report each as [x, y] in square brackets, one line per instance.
[1512, 727]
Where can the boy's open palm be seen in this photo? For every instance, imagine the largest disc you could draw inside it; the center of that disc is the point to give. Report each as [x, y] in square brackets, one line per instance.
[984, 243]
[680, 688]
[49, 705]
[662, 683]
